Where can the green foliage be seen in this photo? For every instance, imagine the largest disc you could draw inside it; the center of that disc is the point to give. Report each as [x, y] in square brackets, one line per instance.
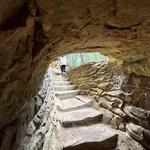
[77, 59]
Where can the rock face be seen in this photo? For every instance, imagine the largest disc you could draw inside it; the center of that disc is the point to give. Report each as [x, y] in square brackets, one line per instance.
[123, 97]
[41, 130]
[82, 127]
[36, 125]
[34, 32]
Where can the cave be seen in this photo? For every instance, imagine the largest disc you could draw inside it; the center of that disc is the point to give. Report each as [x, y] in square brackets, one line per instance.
[33, 33]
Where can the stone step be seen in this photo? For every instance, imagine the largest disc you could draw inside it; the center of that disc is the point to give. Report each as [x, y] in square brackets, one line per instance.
[73, 104]
[66, 94]
[82, 116]
[93, 137]
[84, 98]
[59, 79]
[66, 87]
[55, 71]
[62, 83]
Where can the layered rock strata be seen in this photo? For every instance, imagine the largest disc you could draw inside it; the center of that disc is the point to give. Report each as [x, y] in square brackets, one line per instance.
[123, 97]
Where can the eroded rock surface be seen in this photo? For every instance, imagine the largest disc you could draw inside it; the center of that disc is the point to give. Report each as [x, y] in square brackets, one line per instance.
[116, 95]
[33, 32]
[42, 129]
[82, 127]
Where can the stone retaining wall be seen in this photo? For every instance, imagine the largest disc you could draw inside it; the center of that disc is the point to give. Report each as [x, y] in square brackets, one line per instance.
[42, 129]
[123, 97]
[36, 127]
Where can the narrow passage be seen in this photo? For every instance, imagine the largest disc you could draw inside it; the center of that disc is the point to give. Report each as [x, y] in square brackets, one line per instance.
[81, 122]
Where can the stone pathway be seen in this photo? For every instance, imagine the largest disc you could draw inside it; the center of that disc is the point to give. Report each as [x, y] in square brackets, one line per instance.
[81, 124]
[81, 127]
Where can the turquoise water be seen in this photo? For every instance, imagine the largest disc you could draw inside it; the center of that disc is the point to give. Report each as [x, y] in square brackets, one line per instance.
[77, 59]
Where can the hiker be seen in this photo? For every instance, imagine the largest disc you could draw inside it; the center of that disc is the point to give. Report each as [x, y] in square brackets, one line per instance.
[63, 63]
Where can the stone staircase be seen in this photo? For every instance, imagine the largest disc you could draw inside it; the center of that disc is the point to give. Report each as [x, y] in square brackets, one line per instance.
[80, 121]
